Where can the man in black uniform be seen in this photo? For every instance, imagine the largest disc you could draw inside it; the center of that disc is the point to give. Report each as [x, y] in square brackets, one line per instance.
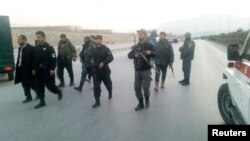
[92, 42]
[142, 67]
[101, 72]
[24, 67]
[86, 56]
[44, 68]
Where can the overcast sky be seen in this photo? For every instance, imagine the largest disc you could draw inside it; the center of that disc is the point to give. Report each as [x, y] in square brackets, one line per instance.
[118, 15]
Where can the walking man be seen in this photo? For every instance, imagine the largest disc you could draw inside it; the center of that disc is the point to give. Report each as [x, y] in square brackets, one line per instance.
[24, 67]
[44, 69]
[164, 58]
[102, 57]
[66, 54]
[141, 54]
[86, 56]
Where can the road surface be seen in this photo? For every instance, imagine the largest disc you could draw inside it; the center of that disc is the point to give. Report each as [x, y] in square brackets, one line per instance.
[176, 113]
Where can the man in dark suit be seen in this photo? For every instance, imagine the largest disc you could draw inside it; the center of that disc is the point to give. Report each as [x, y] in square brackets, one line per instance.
[24, 67]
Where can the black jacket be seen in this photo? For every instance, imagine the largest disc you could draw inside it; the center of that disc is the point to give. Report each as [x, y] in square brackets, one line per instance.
[164, 53]
[24, 72]
[102, 54]
[44, 57]
[87, 54]
[140, 63]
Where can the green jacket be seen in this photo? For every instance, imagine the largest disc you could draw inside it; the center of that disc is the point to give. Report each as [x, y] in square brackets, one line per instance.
[66, 49]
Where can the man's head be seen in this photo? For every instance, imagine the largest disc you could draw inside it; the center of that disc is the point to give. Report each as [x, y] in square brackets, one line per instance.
[143, 35]
[187, 36]
[87, 39]
[22, 40]
[98, 40]
[92, 38]
[162, 36]
[40, 37]
[63, 37]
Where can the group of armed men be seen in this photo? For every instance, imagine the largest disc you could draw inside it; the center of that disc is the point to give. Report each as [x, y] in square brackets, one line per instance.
[35, 67]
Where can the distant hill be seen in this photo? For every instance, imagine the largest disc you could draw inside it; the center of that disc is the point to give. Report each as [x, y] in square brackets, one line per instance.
[207, 25]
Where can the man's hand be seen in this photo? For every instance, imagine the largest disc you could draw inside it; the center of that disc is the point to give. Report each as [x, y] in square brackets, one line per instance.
[52, 72]
[101, 65]
[137, 55]
[148, 52]
[33, 72]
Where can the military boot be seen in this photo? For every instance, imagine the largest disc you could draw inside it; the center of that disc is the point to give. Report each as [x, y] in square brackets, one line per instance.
[62, 84]
[185, 83]
[110, 95]
[60, 95]
[40, 104]
[97, 103]
[181, 81]
[140, 105]
[78, 89]
[147, 102]
[28, 99]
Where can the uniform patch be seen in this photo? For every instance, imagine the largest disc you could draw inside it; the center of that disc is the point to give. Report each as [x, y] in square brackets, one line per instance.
[53, 55]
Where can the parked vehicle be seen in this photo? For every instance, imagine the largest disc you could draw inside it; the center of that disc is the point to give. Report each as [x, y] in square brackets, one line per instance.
[7, 64]
[234, 95]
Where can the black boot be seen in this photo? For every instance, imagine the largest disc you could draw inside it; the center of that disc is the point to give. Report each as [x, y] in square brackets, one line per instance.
[140, 106]
[41, 104]
[71, 82]
[28, 99]
[110, 95]
[147, 102]
[97, 103]
[181, 81]
[62, 84]
[60, 95]
[78, 89]
[185, 83]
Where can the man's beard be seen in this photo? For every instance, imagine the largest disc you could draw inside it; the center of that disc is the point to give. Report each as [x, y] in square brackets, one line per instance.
[141, 40]
[21, 44]
[41, 42]
[87, 42]
[63, 41]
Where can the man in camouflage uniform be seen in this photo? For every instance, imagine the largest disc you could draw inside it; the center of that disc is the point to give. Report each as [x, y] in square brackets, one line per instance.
[66, 54]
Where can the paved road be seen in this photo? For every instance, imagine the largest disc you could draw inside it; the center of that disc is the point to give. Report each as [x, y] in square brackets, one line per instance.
[177, 113]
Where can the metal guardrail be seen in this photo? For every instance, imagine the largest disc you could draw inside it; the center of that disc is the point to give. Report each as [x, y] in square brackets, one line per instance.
[227, 41]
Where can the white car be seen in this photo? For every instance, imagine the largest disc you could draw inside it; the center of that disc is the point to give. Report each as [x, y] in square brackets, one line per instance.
[234, 96]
